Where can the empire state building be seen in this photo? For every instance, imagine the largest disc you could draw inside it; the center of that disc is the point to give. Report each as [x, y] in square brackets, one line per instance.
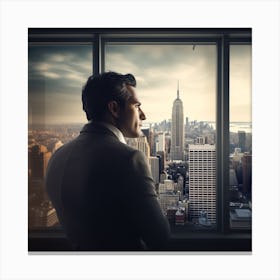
[177, 129]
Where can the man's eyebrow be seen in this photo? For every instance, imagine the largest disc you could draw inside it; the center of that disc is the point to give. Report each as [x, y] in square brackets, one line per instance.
[136, 102]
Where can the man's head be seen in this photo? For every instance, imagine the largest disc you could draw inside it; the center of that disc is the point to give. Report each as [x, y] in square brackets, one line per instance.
[111, 97]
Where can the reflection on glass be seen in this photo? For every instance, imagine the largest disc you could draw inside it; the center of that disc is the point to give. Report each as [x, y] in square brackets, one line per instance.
[240, 183]
[177, 88]
[56, 75]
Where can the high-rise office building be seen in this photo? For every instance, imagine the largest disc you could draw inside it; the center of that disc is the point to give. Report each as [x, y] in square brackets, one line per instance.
[187, 122]
[202, 181]
[247, 172]
[154, 164]
[242, 140]
[160, 144]
[161, 156]
[38, 160]
[201, 140]
[168, 199]
[140, 144]
[177, 129]
[148, 132]
[167, 195]
[180, 184]
[42, 216]
[167, 186]
[40, 211]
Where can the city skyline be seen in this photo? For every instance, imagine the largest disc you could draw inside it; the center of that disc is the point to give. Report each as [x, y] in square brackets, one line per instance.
[57, 74]
[198, 173]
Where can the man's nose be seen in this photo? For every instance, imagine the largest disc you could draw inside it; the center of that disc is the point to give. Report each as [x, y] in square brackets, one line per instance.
[142, 115]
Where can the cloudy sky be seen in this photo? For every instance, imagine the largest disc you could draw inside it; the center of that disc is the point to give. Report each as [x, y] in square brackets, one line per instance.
[57, 74]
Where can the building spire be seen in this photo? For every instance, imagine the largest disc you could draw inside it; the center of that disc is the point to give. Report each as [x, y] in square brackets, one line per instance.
[178, 90]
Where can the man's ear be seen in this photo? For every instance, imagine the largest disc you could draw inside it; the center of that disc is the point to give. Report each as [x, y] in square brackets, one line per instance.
[114, 108]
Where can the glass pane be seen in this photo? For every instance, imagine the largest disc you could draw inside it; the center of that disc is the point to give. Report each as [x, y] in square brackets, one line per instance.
[177, 88]
[56, 75]
[240, 184]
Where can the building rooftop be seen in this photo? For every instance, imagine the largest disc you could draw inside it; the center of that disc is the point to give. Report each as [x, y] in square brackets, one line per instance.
[243, 213]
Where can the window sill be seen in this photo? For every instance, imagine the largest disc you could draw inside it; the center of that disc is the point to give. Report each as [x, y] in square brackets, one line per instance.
[182, 240]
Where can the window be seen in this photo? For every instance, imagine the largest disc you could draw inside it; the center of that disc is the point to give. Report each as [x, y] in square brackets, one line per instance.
[240, 181]
[191, 73]
[174, 77]
[56, 74]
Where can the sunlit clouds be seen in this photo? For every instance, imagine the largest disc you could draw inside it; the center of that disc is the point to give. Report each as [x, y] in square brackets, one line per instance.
[58, 73]
[56, 77]
[160, 67]
[240, 83]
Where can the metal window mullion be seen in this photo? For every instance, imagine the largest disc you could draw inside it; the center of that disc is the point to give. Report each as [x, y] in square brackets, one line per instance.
[161, 40]
[222, 131]
[96, 54]
[225, 136]
[102, 54]
[219, 218]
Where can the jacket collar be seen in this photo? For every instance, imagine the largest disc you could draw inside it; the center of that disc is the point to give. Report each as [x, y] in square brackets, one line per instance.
[103, 127]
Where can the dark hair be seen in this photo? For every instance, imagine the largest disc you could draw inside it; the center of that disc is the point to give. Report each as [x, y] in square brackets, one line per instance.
[102, 88]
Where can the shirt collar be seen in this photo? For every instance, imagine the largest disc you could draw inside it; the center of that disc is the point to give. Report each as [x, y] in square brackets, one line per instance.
[115, 130]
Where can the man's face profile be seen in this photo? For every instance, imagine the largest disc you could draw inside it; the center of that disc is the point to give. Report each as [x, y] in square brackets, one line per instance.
[131, 116]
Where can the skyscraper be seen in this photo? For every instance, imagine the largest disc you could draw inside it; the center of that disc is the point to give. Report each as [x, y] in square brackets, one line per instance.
[161, 156]
[160, 144]
[40, 210]
[177, 129]
[150, 137]
[242, 140]
[38, 160]
[140, 144]
[154, 164]
[202, 181]
[247, 173]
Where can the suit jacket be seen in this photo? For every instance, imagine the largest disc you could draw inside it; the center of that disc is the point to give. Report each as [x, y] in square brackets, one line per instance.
[104, 194]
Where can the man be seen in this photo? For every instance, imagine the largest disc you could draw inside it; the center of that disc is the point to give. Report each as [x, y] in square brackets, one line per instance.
[101, 188]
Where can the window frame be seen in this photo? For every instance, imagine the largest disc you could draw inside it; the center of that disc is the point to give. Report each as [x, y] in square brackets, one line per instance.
[222, 38]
